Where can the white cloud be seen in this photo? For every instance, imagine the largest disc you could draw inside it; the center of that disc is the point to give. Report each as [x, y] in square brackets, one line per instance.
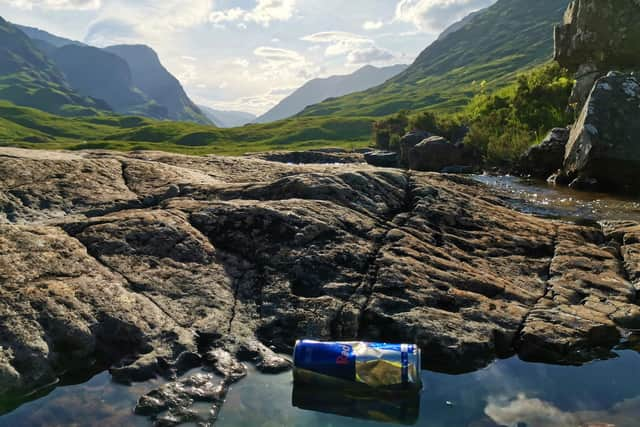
[435, 15]
[240, 62]
[54, 4]
[264, 12]
[276, 54]
[339, 42]
[370, 55]
[229, 15]
[358, 49]
[372, 25]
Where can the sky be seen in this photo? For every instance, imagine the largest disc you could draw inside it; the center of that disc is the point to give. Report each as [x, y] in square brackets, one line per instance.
[247, 55]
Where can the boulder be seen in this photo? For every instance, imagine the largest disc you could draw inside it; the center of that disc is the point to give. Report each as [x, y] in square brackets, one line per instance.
[604, 145]
[435, 154]
[544, 159]
[597, 36]
[384, 159]
[409, 141]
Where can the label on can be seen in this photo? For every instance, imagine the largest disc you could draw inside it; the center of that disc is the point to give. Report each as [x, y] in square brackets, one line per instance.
[373, 364]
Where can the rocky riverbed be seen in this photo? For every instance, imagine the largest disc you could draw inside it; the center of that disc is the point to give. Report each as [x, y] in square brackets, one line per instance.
[153, 263]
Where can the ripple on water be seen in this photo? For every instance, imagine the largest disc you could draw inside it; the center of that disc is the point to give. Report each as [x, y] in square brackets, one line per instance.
[539, 198]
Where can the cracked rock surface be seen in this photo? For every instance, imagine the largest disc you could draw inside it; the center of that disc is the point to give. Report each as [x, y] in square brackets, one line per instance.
[155, 263]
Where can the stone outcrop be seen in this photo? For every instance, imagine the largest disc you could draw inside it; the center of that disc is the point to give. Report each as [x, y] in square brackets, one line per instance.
[315, 156]
[546, 158]
[383, 159]
[598, 36]
[408, 141]
[160, 262]
[603, 151]
[436, 153]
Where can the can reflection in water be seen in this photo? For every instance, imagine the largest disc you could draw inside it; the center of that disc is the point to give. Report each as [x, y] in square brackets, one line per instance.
[360, 401]
[377, 365]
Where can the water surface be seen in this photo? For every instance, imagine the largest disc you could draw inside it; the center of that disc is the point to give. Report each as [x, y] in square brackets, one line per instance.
[507, 393]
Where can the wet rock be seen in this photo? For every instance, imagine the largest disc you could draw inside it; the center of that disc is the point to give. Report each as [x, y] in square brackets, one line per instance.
[586, 300]
[384, 159]
[602, 150]
[544, 159]
[172, 403]
[226, 365]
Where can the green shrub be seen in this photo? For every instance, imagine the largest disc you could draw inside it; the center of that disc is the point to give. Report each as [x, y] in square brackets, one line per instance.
[386, 129]
[504, 124]
[394, 143]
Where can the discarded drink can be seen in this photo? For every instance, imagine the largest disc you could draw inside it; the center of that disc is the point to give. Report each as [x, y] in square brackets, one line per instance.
[377, 365]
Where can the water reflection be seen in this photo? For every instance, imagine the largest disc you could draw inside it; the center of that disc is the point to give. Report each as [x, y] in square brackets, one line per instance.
[539, 198]
[364, 403]
[508, 393]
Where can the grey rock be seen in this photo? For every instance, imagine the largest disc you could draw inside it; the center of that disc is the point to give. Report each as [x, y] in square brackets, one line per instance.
[595, 37]
[542, 160]
[435, 154]
[384, 159]
[408, 141]
[603, 146]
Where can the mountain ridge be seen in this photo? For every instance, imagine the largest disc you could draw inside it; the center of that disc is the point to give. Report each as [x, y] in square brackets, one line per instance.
[227, 118]
[317, 90]
[492, 47]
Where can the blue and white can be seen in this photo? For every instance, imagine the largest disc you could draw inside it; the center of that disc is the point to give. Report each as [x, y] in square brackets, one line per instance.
[378, 365]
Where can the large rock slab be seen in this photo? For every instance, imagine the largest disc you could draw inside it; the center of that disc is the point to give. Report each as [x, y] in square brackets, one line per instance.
[604, 145]
[186, 261]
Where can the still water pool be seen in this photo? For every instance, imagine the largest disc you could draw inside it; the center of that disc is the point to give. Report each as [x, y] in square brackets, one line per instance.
[507, 393]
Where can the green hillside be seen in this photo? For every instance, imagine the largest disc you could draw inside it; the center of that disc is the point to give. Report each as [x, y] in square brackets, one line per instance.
[28, 78]
[485, 53]
[30, 128]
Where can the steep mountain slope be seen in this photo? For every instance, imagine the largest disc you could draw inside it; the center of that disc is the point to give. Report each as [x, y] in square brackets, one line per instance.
[510, 36]
[150, 76]
[29, 78]
[101, 74]
[226, 118]
[41, 35]
[318, 90]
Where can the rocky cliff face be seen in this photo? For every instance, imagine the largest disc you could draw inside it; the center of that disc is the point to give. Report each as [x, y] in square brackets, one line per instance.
[157, 262]
[598, 36]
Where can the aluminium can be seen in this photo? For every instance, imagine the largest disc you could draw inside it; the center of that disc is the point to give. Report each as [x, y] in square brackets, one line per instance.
[377, 365]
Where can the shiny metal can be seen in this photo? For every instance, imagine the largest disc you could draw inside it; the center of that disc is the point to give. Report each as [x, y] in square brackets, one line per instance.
[377, 365]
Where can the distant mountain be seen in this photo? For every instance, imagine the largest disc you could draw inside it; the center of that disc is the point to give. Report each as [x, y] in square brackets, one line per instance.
[129, 78]
[150, 76]
[493, 46]
[29, 78]
[318, 90]
[104, 75]
[38, 34]
[227, 119]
